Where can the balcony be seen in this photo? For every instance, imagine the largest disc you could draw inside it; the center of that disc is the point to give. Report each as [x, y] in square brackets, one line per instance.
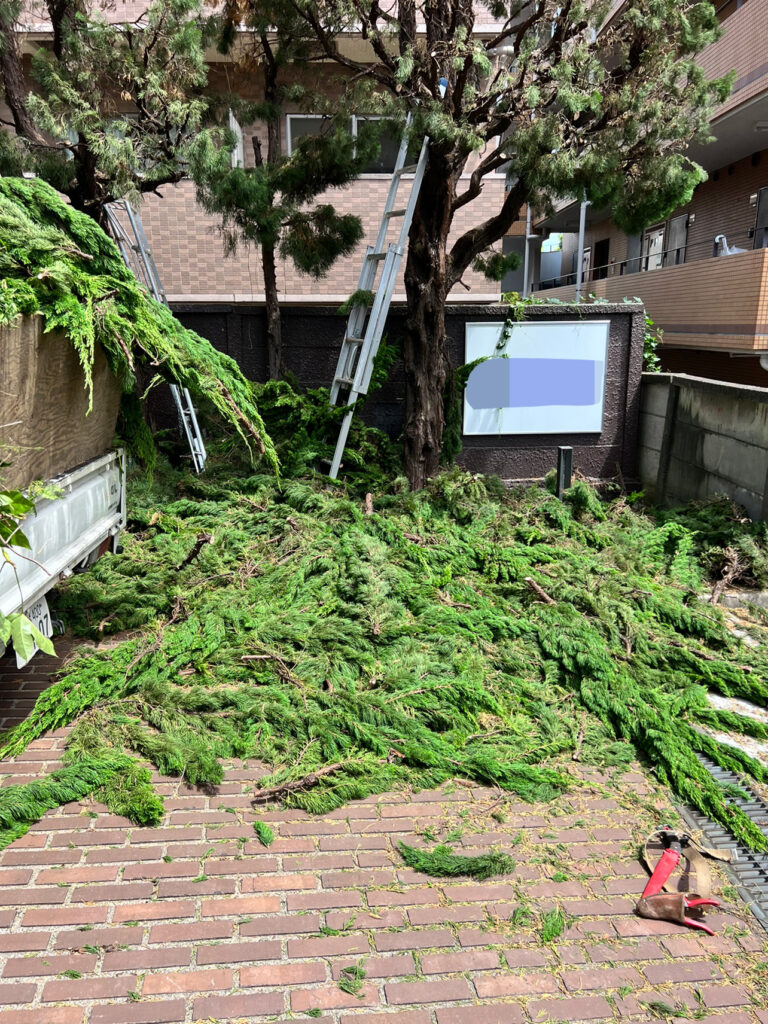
[719, 304]
[742, 47]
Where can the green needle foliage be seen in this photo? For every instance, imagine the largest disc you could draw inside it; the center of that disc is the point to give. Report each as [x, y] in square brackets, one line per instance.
[357, 646]
[58, 263]
[442, 862]
[264, 833]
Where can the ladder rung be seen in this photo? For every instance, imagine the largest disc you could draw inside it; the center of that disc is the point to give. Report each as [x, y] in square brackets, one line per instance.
[345, 380]
[381, 255]
[352, 340]
[408, 169]
[395, 213]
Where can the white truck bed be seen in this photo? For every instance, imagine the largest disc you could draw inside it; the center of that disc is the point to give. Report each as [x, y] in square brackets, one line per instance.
[66, 533]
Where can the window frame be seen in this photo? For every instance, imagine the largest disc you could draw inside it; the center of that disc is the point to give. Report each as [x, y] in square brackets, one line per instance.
[353, 119]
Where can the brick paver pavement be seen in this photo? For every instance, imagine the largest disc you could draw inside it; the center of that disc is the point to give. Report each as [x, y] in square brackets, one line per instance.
[102, 922]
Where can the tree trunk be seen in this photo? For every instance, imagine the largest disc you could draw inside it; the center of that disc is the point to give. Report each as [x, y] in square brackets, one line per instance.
[274, 322]
[13, 83]
[424, 354]
[268, 247]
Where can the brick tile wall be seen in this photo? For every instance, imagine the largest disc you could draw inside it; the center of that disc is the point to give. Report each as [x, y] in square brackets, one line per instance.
[189, 251]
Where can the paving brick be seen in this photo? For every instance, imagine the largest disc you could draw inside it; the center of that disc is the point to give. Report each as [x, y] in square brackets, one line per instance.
[191, 931]
[379, 966]
[333, 945]
[165, 1011]
[396, 1017]
[64, 916]
[89, 988]
[266, 975]
[241, 906]
[515, 985]
[233, 1007]
[216, 980]
[421, 992]
[71, 876]
[39, 967]
[113, 893]
[525, 958]
[53, 1015]
[171, 888]
[602, 978]
[146, 959]
[643, 950]
[277, 883]
[583, 1008]
[658, 974]
[449, 963]
[32, 897]
[388, 942]
[501, 1013]
[166, 835]
[293, 924]
[238, 952]
[24, 942]
[154, 911]
[99, 937]
[331, 998]
[351, 842]
[723, 995]
[11, 994]
[357, 921]
[351, 879]
[324, 900]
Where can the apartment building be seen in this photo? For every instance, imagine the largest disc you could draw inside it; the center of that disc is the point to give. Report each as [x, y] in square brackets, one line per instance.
[702, 272]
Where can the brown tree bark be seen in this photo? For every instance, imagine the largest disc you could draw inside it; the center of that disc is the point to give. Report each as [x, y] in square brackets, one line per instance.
[424, 352]
[268, 262]
[12, 74]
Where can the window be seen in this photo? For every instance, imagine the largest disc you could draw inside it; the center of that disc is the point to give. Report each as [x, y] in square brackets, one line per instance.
[653, 248]
[300, 125]
[238, 153]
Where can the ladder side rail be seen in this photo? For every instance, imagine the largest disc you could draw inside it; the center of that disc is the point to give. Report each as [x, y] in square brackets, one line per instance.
[394, 184]
[418, 177]
[196, 432]
[142, 250]
[377, 322]
[355, 324]
[341, 444]
[185, 427]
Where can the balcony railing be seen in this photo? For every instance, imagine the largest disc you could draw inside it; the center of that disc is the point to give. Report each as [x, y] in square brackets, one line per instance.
[717, 303]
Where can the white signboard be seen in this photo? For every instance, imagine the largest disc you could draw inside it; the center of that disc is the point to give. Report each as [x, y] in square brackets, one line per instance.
[537, 378]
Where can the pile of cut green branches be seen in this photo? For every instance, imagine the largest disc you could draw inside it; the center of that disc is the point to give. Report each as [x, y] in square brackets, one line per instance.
[58, 263]
[356, 644]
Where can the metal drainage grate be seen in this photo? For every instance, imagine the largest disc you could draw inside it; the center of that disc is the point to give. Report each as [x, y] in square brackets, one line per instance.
[748, 870]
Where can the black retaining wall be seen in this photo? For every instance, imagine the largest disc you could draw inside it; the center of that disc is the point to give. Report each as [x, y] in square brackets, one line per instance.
[312, 337]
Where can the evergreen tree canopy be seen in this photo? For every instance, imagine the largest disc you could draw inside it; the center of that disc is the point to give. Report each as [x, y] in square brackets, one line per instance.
[574, 98]
[114, 107]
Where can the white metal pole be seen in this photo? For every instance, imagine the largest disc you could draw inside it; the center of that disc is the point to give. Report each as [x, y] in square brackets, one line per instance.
[580, 252]
[527, 260]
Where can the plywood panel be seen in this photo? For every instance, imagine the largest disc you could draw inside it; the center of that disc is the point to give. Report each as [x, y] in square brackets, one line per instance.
[44, 429]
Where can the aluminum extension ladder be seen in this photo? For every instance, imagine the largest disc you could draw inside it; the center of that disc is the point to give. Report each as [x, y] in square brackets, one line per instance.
[363, 334]
[133, 246]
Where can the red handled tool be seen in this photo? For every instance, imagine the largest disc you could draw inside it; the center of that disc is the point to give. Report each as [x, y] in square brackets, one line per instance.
[674, 906]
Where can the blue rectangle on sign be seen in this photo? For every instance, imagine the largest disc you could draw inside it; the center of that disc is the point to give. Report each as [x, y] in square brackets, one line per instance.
[528, 383]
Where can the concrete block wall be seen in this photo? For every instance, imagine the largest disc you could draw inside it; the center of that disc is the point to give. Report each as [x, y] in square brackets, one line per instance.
[699, 438]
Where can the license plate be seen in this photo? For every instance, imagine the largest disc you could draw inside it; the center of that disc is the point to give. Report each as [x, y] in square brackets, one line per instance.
[39, 615]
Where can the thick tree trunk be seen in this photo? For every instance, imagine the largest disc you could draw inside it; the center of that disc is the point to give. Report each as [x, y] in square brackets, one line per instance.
[271, 296]
[274, 322]
[424, 353]
[13, 83]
